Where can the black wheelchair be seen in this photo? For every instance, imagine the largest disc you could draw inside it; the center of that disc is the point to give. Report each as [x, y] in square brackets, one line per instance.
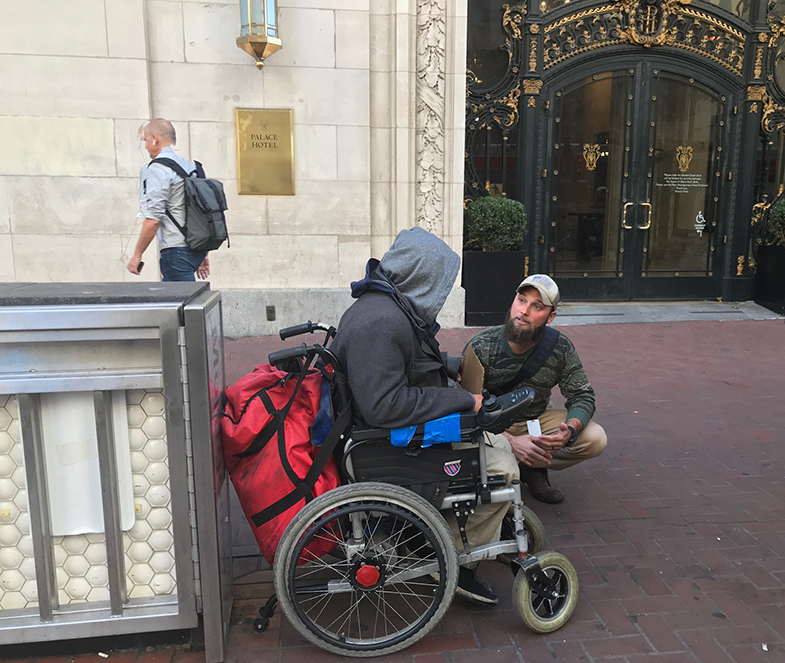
[371, 567]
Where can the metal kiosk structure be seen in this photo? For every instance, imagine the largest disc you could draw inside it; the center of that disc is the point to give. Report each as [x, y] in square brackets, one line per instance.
[114, 500]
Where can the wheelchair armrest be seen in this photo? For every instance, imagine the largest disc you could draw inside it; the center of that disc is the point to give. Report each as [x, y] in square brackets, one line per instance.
[362, 433]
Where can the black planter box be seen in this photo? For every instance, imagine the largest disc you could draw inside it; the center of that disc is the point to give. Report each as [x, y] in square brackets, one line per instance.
[770, 278]
[490, 279]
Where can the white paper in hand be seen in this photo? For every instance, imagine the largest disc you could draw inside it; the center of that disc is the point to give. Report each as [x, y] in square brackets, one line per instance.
[534, 427]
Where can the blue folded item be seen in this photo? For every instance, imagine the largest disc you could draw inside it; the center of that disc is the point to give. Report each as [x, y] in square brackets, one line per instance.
[438, 431]
[323, 422]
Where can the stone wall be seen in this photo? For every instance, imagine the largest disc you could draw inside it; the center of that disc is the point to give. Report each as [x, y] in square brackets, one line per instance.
[376, 88]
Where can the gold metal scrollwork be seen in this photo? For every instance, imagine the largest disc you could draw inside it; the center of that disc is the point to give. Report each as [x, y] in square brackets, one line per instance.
[512, 20]
[641, 22]
[591, 153]
[684, 157]
[758, 63]
[533, 54]
[532, 85]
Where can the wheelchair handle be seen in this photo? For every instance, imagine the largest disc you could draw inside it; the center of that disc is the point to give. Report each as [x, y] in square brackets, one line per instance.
[281, 356]
[307, 328]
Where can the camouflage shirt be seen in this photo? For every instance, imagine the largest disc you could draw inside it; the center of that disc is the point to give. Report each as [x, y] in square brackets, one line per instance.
[562, 368]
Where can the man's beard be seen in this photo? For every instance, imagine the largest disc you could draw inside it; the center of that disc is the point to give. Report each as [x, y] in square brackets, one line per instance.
[526, 337]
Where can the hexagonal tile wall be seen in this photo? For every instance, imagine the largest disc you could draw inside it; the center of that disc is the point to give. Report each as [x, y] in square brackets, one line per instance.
[80, 559]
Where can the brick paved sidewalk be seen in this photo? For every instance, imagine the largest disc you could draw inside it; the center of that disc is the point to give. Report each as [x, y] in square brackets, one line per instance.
[677, 531]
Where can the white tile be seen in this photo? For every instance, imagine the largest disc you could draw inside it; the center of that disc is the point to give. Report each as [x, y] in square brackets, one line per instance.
[319, 96]
[315, 152]
[322, 208]
[57, 146]
[247, 214]
[40, 27]
[353, 254]
[276, 261]
[214, 145]
[150, 271]
[165, 31]
[4, 211]
[354, 159]
[67, 258]
[352, 40]
[6, 259]
[309, 38]
[358, 5]
[210, 32]
[381, 51]
[381, 154]
[72, 205]
[179, 90]
[130, 154]
[125, 28]
[73, 87]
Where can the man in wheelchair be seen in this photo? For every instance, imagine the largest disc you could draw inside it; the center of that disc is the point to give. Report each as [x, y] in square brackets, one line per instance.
[398, 377]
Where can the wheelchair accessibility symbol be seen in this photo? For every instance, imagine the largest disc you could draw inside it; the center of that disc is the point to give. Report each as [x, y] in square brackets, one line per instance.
[452, 468]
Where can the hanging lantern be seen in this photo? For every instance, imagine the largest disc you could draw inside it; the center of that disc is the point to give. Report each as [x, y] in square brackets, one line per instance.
[258, 29]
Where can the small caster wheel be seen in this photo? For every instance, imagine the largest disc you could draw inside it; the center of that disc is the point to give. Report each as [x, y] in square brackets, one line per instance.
[260, 624]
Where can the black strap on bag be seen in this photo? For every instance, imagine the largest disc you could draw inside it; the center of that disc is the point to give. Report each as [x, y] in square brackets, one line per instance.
[534, 363]
[180, 171]
[303, 488]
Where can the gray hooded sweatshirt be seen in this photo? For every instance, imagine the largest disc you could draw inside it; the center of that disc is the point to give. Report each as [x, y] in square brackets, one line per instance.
[396, 375]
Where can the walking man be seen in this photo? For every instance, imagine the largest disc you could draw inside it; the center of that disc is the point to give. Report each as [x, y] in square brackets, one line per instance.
[162, 206]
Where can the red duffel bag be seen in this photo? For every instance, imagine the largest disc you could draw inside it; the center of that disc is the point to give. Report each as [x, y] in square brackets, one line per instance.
[269, 451]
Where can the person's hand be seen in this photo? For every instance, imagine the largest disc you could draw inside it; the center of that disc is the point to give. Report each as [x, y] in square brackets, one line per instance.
[527, 449]
[552, 443]
[133, 264]
[477, 402]
[203, 270]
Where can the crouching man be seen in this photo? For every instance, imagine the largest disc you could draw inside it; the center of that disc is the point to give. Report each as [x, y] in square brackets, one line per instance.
[386, 343]
[521, 354]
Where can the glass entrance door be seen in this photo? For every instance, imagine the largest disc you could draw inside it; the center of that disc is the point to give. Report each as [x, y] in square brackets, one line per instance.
[634, 196]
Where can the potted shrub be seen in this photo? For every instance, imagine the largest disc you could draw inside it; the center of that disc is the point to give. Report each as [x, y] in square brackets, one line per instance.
[770, 270]
[493, 259]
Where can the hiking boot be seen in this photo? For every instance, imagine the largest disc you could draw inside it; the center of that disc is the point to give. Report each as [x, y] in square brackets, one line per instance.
[474, 589]
[539, 485]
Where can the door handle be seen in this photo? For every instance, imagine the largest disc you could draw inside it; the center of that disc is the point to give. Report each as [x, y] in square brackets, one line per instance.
[624, 216]
[648, 217]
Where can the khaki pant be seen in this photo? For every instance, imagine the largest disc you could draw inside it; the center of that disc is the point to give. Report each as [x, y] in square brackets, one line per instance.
[591, 441]
[484, 525]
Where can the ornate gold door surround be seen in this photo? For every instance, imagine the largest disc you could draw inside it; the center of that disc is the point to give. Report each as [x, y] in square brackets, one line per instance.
[730, 68]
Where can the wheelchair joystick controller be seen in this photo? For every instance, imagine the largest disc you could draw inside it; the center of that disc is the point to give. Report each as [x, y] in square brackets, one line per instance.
[489, 402]
[498, 413]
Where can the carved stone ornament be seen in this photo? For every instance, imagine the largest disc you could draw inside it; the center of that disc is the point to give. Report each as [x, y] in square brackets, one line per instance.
[430, 108]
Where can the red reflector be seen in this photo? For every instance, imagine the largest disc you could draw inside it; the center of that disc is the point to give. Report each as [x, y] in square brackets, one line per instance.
[367, 575]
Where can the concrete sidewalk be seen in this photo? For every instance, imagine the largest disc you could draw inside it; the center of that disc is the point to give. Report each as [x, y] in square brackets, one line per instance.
[677, 531]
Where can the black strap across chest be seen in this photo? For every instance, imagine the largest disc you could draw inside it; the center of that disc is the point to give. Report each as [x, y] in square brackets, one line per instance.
[534, 363]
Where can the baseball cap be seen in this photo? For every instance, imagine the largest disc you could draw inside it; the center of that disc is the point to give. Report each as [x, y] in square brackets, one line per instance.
[545, 285]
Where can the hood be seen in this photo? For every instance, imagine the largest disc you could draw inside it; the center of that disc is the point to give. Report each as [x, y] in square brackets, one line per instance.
[423, 269]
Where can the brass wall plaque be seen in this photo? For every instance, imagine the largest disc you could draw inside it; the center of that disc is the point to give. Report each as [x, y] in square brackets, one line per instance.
[265, 151]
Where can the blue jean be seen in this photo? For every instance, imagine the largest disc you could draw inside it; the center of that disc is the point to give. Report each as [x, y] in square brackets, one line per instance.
[180, 263]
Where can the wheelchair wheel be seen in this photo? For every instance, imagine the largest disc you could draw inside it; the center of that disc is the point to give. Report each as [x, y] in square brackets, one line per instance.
[389, 578]
[540, 614]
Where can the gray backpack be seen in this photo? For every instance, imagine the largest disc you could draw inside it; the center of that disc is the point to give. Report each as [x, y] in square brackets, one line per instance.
[205, 204]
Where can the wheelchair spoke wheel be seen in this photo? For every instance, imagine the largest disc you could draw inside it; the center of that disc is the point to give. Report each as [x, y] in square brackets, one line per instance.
[387, 577]
[541, 614]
